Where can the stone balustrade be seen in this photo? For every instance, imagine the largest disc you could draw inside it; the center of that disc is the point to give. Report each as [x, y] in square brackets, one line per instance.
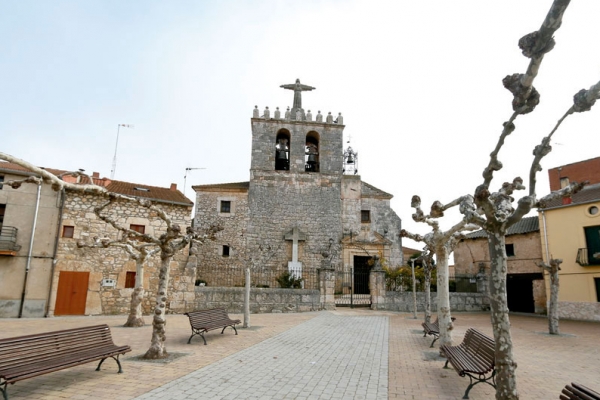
[300, 116]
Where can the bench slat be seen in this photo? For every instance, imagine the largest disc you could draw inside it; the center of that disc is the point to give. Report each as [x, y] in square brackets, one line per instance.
[28, 356]
[202, 321]
[474, 357]
[576, 391]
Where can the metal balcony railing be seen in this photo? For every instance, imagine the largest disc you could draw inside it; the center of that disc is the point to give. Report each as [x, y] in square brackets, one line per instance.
[8, 239]
[585, 257]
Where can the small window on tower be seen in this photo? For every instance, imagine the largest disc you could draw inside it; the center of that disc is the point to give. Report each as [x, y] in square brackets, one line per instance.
[365, 216]
[225, 251]
[510, 250]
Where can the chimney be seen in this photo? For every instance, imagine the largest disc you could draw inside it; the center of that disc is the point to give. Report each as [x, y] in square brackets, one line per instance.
[567, 200]
[96, 175]
[173, 186]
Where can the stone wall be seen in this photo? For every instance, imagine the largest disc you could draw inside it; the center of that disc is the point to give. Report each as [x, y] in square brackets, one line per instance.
[403, 301]
[469, 253]
[234, 224]
[386, 222]
[112, 262]
[280, 201]
[261, 300]
[581, 311]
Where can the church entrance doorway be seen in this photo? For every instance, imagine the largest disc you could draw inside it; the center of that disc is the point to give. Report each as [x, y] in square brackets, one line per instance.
[352, 285]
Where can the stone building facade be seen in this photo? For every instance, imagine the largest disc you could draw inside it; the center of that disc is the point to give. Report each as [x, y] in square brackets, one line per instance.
[58, 278]
[108, 289]
[525, 281]
[298, 203]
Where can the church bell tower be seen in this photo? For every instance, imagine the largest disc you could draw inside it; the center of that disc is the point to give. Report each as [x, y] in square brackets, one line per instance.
[295, 181]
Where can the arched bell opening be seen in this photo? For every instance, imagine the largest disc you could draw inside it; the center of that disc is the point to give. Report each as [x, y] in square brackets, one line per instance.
[311, 157]
[282, 151]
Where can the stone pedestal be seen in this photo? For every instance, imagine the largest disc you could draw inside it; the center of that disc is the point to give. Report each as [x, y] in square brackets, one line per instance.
[377, 288]
[327, 287]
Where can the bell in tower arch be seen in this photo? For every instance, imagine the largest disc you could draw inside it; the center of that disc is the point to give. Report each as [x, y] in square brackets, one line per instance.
[312, 157]
[282, 162]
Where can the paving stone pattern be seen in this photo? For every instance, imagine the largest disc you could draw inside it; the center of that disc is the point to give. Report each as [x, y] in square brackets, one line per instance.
[328, 357]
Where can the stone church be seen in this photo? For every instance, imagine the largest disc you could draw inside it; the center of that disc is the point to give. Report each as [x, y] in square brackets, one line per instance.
[304, 206]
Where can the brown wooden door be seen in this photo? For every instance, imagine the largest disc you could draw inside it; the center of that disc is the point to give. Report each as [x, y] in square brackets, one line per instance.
[72, 293]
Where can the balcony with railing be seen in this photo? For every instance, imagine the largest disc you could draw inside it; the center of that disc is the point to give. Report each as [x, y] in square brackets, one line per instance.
[8, 241]
[587, 257]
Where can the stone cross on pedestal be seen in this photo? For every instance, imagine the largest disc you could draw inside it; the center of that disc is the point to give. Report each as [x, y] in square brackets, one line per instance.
[298, 88]
[295, 266]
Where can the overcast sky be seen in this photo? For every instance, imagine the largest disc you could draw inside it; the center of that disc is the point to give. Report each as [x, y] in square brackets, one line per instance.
[418, 83]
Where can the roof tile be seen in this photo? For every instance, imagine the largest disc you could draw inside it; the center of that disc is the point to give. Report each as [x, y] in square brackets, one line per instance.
[525, 225]
[154, 193]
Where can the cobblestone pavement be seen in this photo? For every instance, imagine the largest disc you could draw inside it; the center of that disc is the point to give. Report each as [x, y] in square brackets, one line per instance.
[343, 354]
[328, 357]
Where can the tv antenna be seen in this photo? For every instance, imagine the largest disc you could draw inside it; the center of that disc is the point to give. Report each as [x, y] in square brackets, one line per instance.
[185, 176]
[114, 164]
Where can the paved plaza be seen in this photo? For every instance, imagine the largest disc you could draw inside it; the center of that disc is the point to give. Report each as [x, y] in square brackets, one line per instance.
[343, 354]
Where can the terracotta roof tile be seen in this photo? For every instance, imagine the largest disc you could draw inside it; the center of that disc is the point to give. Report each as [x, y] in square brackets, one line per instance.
[154, 193]
[19, 169]
[587, 195]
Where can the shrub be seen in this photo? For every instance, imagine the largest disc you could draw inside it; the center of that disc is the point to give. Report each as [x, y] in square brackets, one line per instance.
[289, 281]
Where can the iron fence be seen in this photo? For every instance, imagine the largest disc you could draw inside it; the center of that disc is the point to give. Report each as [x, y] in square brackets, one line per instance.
[260, 277]
[457, 283]
[463, 283]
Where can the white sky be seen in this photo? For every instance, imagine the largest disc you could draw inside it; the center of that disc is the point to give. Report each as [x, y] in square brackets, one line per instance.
[418, 83]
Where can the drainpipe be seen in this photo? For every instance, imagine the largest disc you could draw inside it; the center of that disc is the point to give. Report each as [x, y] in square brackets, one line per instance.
[28, 265]
[54, 260]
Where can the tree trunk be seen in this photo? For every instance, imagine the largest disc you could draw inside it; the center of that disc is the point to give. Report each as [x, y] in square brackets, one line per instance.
[247, 300]
[136, 318]
[158, 343]
[443, 291]
[506, 380]
[553, 308]
[427, 271]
